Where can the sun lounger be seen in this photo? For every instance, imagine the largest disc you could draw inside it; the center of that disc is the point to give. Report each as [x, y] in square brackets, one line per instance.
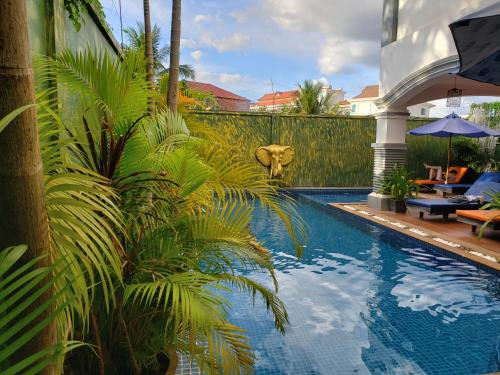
[455, 175]
[446, 189]
[462, 188]
[478, 218]
[446, 207]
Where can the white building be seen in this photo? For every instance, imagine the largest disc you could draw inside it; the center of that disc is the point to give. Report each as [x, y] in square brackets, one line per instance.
[418, 64]
[364, 104]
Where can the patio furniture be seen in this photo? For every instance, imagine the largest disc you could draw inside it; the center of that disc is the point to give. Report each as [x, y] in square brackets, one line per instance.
[451, 126]
[429, 185]
[478, 218]
[461, 188]
[446, 207]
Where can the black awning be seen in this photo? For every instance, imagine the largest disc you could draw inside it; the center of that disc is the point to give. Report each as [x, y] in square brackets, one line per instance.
[477, 38]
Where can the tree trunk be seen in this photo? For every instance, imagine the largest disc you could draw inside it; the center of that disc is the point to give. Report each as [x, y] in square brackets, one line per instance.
[175, 46]
[23, 216]
[148, 50]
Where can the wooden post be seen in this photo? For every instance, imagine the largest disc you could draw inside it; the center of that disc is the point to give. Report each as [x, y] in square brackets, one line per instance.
[449, 158]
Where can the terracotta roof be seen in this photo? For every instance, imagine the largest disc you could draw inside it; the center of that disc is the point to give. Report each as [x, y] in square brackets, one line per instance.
[368, 92]
[345, 102]
[216, 91]
[277, 98]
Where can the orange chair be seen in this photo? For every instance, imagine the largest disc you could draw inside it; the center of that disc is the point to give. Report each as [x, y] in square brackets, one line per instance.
[479, 217]
[455, 174]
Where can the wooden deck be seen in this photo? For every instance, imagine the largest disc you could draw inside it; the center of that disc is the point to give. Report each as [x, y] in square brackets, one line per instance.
[450, 235]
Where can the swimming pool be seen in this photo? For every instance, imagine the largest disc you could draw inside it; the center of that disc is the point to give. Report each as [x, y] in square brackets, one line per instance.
[367, 300]
[334, 195]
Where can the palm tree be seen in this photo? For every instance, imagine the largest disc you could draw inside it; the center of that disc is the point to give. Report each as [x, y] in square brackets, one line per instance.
[24, 216]
[310, 98]
[148, 46]
[175, 47]
[135, 36]
[82, 220]
[186, 207]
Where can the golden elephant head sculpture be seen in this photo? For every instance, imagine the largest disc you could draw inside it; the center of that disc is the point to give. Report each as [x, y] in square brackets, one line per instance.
[275, 157]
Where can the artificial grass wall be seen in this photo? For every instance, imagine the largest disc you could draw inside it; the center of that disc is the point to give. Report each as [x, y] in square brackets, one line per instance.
[329, 150]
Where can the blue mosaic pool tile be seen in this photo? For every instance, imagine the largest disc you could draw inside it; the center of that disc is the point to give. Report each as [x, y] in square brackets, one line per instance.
[368, 300]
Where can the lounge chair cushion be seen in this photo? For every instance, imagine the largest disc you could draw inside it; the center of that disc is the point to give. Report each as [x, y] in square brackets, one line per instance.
[484, 188]
[441, 204]
[428, 182]
[489, 177]
[460, 173]
[481, 215]
[452, 186]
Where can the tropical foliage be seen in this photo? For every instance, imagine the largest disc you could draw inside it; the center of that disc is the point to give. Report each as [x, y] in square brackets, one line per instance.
[83, 220]
[188, 98]
[20, 287]
[399, 184]
[486, 151]
[75, 9]
[136, 41]
[474, 154]
[154, 222]
[311, 99]
[493, 204]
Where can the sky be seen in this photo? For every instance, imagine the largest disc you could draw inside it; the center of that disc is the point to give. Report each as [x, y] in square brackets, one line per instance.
[252, 47]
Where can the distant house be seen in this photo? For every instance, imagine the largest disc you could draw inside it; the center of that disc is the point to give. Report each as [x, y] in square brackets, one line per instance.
[345, 107]
[364, 104]
[280, 100]
[275, 101]
[227, 100]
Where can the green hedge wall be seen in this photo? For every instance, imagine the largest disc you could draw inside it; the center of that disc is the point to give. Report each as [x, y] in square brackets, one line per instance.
[329, 150]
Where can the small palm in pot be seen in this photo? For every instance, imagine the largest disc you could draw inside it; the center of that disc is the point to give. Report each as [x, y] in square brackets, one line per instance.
[399, 185]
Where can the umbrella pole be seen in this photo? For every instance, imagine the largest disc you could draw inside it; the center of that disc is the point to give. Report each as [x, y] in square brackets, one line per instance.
[449, 158]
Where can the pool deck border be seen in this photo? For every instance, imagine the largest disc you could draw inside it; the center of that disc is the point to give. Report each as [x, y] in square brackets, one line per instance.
[467, 251]
[448, 245]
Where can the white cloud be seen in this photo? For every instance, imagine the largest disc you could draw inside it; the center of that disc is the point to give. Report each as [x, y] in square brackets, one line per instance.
[197, 55]
[240, 84]
[337, 34]
[322, 80]
[202, 18]
[337, 55]
[231, 78]
[233, 42]
[189, 43]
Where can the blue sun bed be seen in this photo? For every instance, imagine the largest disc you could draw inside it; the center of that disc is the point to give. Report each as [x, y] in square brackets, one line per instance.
[462, 188]
[445, 207]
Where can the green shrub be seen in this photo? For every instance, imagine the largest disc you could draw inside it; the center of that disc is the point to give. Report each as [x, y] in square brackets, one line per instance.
[399, 184]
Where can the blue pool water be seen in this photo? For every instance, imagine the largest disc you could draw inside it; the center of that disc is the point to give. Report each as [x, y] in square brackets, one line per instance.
[335, 196]
[364, 300]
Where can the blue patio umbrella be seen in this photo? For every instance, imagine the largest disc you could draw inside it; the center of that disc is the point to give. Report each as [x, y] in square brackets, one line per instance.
[452, 126]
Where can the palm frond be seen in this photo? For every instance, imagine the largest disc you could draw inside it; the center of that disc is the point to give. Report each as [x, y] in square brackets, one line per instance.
[21, 321]
[83, 217]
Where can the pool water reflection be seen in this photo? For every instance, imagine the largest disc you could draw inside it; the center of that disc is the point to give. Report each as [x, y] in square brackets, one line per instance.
[364, 300]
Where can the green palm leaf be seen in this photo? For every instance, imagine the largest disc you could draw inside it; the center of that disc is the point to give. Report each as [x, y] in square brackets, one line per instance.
[20, 287]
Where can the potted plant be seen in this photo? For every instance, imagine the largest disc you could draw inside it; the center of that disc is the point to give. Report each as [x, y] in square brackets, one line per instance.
[399, 186]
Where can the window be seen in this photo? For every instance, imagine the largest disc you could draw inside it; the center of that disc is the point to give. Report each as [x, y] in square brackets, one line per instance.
[390, 21]
[353, 108]
[423, 112]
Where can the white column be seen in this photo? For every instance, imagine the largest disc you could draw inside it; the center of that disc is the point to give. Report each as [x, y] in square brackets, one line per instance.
[389, 149]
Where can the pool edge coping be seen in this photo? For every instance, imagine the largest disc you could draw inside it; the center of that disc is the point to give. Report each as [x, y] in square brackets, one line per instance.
[463, 251]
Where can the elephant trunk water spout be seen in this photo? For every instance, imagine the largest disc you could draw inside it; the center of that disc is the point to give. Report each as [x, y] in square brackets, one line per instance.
[275, 157]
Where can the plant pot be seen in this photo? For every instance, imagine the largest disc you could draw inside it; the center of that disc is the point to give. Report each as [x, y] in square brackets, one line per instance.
[398, 206]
